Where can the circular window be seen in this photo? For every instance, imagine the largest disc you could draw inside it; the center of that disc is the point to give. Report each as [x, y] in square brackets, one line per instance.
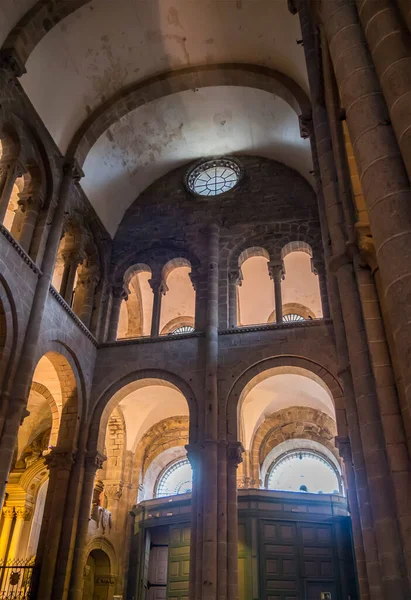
[177, 478]
[303, 471]
[214, 177]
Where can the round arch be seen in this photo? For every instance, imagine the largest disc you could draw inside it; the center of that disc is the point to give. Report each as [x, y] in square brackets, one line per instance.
[137, 94]
[100, 543]
[261, 370]
[131, 382]
[8, 330]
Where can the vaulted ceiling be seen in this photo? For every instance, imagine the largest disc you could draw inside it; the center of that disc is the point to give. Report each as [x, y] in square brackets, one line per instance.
[111, 59]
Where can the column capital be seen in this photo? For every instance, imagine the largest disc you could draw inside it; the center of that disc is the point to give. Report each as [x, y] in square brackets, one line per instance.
[10, 61]
[235, 276]
[114, 490]
[157, 284]
[344, 448]
[72, 169]
[194, 278]
[119, 291]
[94, 461]
[61, 461]
[8, 512]
[306, 125]
[30, 200]
[235, 452]
[276, 269]
[23, 513]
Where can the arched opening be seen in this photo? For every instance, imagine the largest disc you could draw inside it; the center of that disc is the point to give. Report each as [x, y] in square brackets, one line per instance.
[178, 303]
[13, 206]
[98, 581]
[176, 478]
[300, 286]
[280, 404]
[136, 312]
[49, 427]
[255, 292]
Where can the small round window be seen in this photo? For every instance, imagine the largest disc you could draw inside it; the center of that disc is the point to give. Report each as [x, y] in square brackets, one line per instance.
[214, 177]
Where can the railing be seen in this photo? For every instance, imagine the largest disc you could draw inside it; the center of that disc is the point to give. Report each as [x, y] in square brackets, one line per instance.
[16, 578]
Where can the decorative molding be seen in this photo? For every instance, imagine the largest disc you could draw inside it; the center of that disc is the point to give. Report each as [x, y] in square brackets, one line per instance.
[73, 315]
[149, 340]
[272, 326]
[20, 250]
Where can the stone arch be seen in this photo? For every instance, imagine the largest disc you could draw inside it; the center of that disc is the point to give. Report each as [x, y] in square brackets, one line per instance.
[177, 322]
[261, 370]
[135, 270]
[251, 252]
[296, 246]
[8, 331]
[55, 413]
[31, 29]
[173, 264]
[294, 307]
[131, 382]
[137, 94]
[287, 424]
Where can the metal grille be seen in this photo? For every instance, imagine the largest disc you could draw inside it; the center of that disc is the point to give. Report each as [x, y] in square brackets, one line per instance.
[16, 578]
[183, 329]
[292, 317]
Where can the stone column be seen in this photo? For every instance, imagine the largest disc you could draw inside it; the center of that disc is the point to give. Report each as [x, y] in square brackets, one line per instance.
[72, 259]
[344, 448]
[9, 171]
[159, 288]
[320, 271]
[60, 464]
[235, 279]
[119, 294]
[16, 395]
[84, 294]
[93, 462]
[389, 43]
[383, 176]
[8, 516]
[367, 413]
[276, 271]
[30, 205]
[22, 515]
[196, 540]
[234, 458]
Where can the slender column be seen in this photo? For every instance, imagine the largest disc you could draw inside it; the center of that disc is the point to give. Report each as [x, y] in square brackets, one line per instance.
[276, 271]
[71, 263]
[344, 448]
[389, 43]
[159, 290]
[119, 294]
[93, 462]
[14, 399]
[84, 294]
[210, 453]
[30, 205]
[22, 515]
[235, 279]
[8, 516]
[234, 458]
[383, 177]
[60, 465]
[320, 271]
[9, 171]
[365, 534]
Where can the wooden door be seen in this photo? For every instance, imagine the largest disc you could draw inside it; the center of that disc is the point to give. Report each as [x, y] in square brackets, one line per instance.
[179, 563]
[157, 573]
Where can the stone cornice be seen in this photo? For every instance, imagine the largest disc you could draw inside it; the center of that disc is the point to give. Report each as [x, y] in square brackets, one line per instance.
[73, 315]
[275, 326]
[149, 340]
[20, 250]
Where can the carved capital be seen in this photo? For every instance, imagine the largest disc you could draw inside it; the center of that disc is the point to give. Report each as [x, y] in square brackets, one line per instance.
[114, 491]
[276, 270]
[8, 512]
[306, 125]
[235, 276]
[10, 61]
[61, 461]
[158, 286]
[119, 291]
[94, 461]
[344, 448]
[235, 452]
[73, 169]
[29, 201]
[23, 513]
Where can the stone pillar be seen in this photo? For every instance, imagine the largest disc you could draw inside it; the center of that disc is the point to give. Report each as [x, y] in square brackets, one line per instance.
[383, 177]
[276, 271]
[344, 448]
[119, 294]
[72, 259]
[320, 271]
[93, 462]
[16, 395]
[389, 43]
[234, 458]
[60, 464]
[366, 410]
[31, 205]
[235, 279]
[22, 515]
[9, 171]
[196, 540]
[84, 294]
[8, 516]
[159, 288]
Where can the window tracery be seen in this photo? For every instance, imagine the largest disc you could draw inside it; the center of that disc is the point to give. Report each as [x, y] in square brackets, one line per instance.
[175, 479]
